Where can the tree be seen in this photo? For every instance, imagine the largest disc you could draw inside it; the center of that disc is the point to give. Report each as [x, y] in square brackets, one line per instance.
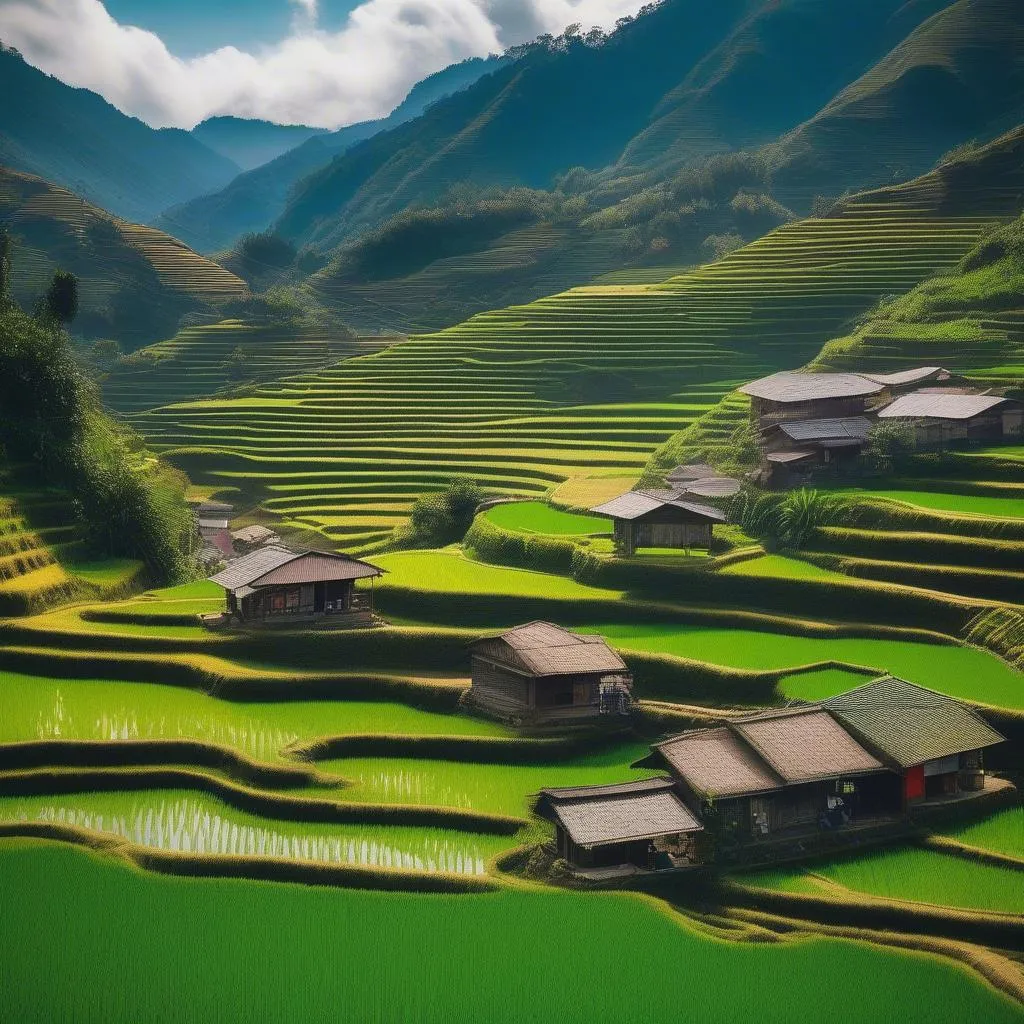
[59, 306]
[889, 444]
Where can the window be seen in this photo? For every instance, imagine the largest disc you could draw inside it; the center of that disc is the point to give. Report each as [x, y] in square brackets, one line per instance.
[292, 596]
[277, 602]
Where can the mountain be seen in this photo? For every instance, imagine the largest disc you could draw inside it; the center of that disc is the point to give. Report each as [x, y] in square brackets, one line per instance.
[680, 81]
[76, 139]
[958, 76]
[251, 143]
[256, 198]
[136, 283]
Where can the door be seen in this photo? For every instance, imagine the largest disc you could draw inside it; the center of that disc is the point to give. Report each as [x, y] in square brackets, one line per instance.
[759, 816]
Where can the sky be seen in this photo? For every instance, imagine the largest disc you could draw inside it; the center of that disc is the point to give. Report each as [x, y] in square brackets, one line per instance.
[320, 62]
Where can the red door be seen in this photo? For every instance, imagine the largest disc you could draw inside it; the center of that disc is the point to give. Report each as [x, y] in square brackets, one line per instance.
[913, 783]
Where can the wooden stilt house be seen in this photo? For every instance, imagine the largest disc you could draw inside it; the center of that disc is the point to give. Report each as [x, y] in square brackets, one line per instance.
[659, 519]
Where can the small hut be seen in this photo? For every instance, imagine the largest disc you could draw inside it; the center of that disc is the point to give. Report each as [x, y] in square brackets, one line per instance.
[937, 417]
[630, 825]
[660, 519]
[541, 673]
[276, 586]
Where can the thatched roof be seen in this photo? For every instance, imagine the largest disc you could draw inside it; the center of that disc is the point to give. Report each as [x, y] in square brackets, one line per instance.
[716, 763]
[790, 386]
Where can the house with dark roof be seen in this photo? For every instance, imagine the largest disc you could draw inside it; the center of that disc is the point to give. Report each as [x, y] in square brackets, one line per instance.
[660, 519]
[540, 673]
[939, 416]
[933, 743]
[276, 586]
[643, 824]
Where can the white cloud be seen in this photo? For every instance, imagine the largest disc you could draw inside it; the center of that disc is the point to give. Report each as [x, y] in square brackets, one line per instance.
[312, 76]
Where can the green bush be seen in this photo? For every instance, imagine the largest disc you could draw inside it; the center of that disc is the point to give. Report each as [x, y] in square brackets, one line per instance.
[442, 517]
[488, 542]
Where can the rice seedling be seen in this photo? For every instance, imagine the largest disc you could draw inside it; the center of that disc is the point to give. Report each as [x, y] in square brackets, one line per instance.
[247, 951]
[47, 709]
[907, 873]
[1002, 832]
[202, 825]
[965, 672]
[779, 566]
[537, 517]
[500, 789]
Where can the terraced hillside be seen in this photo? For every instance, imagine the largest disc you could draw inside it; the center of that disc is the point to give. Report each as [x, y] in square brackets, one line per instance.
[43, 560]
[136, 282]
[587, 381]
[200, 361]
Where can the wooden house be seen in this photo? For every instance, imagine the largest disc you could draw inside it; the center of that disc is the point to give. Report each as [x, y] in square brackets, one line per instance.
[933, 743]
[659, 519]
[540, 673]
[212, 520]
[275, 586]
[938, 417]
[249, 538]
[794, 449]
[778, 770]
[792, 395]
[643, 824]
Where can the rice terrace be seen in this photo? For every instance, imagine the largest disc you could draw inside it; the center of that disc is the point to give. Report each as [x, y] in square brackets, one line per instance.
[504, 519]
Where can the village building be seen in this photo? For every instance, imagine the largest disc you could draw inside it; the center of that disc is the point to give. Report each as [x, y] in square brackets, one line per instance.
[793, 449]
[249, 538]
[540, 673]
[679, 477]
[699, 480]
[933, 743]
[276, 586]
[659, 519]
[938, 417]
[640, 824]
[865, 759]
[212, 520]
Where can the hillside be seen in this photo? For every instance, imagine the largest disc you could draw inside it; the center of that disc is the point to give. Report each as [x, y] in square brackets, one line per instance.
[256, 198]
[76, 139]
[958, 76]
[674, 84]
[585, 382]
[250, 143]
[135, 282]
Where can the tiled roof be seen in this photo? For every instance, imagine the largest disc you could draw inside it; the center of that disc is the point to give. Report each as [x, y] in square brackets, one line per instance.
[242, 571]
[939, 406]
[909, 724]
[634, 504]
[804, 744]
[656, 784]
[712, 487]
[550, 650]
[254, 534]
[844, 427]
[277, 566]
[789, 386]
[716, 763]
[612, 814]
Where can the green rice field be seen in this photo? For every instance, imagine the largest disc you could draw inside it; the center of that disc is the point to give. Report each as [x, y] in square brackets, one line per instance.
[1002, 832]
[906, 873]
[245, 951]
[48, 709]
[538, 517]
[188, 822]
[779, 566]
[966, 672]
[962, 504]
[448, 571]
[499, 789]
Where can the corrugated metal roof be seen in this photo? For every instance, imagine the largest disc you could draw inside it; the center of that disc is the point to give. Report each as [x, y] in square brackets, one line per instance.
[910, 376]
[242, 571]
[317, 567]
[909, 724]
[715, 763]
[789, 386]
[713, 487]
[634, 504]
[939, 406]
[805, 744]
[843, 427]
[691, 471]
[623, 817]
[549, 650]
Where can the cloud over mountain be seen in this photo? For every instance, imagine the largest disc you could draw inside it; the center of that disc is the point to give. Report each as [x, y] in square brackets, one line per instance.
[312, 76]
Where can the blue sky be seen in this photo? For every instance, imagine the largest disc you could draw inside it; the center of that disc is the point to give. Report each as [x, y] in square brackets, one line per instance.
[321, 62]
[192, 27]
